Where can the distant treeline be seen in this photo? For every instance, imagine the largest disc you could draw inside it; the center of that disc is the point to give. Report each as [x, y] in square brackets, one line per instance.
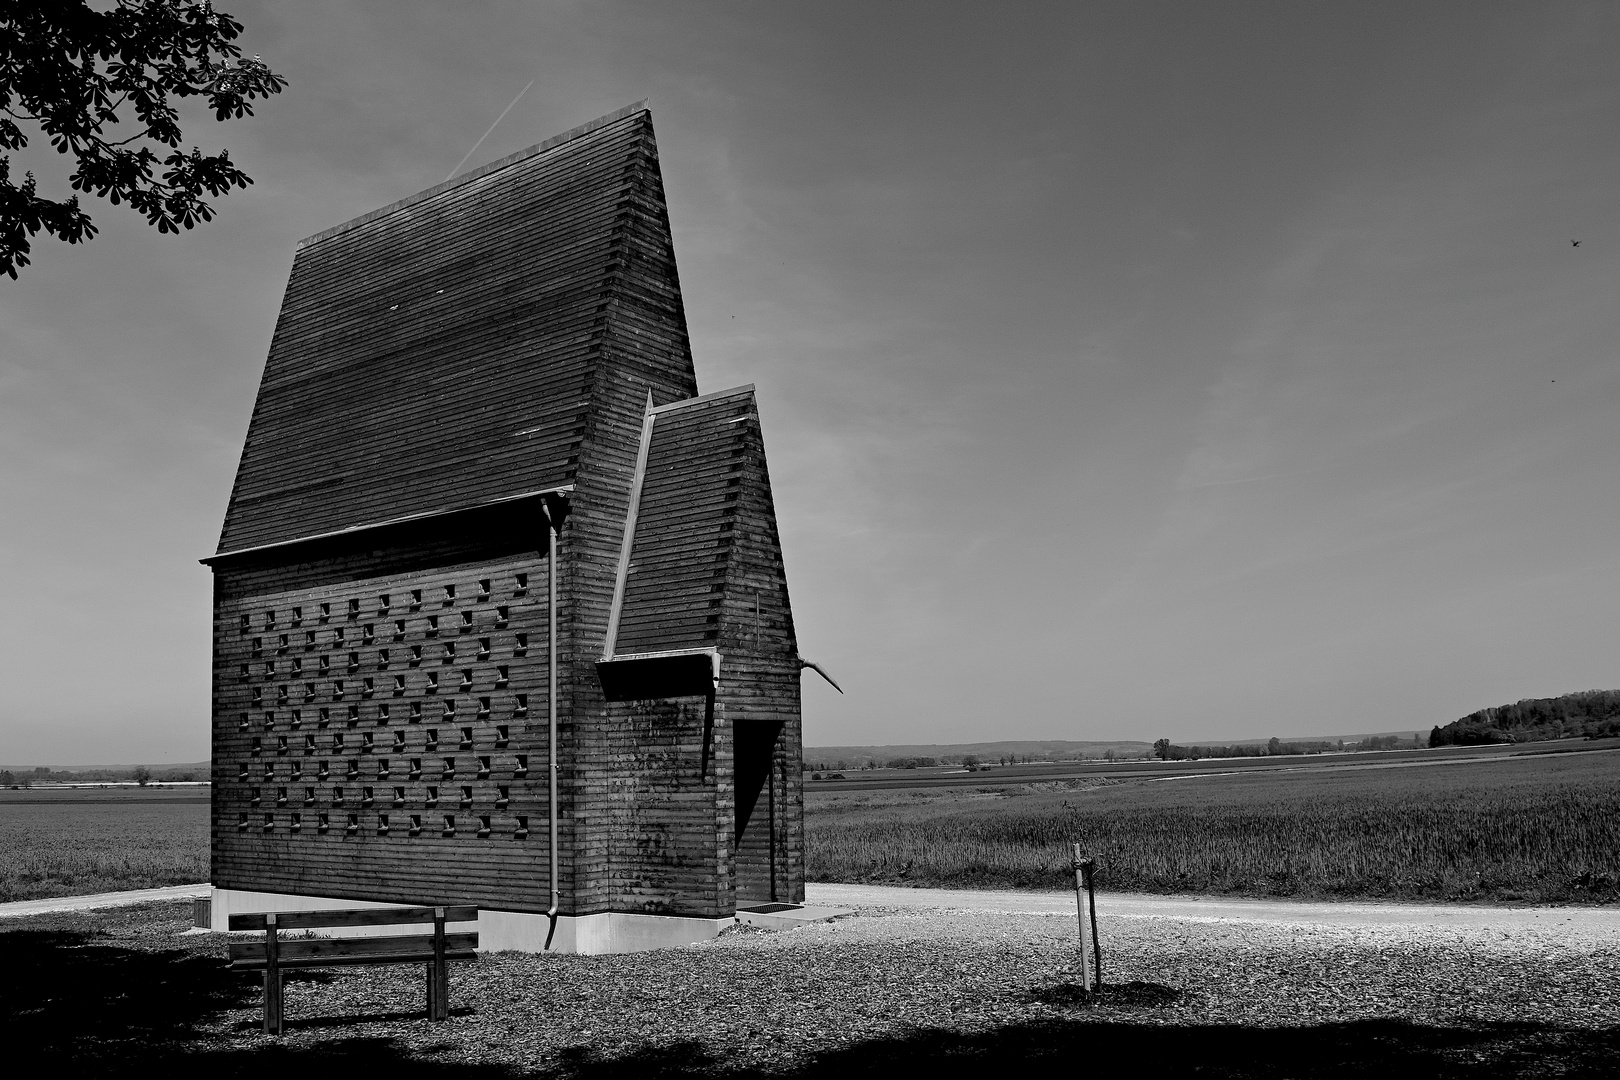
[139, 774]
[1590, 714]
[1165, 750]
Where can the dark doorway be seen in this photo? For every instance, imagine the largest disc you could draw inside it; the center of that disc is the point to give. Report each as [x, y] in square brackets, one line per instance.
[757, 794]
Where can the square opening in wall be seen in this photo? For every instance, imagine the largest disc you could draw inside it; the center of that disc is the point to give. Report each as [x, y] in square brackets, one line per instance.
[449, 825]
[322, 823]
[483, 827]
[416, 824]
[521, 769]
[521, 832]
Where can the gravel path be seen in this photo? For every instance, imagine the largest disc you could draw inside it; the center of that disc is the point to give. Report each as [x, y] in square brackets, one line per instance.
[959, 988]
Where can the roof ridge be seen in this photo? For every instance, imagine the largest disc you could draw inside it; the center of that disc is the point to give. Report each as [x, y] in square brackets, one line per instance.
[483, 170]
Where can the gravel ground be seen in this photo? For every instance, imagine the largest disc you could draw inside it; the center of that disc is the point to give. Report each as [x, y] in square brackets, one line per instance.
[950, 990]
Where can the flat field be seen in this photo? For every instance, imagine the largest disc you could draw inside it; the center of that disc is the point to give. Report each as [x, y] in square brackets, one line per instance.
[1526, 827]
[70, 842]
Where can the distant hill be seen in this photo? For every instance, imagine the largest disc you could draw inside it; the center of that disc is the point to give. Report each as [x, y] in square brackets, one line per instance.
[1589, 714]
[900, 754]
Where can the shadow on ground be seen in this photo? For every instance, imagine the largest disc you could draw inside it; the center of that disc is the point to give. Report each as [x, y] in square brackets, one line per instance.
[87, 1007]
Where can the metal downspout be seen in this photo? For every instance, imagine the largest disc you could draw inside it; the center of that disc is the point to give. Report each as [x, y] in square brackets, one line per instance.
[551, 709]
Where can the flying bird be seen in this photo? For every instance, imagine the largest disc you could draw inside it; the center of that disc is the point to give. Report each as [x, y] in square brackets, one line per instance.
[1574, 243]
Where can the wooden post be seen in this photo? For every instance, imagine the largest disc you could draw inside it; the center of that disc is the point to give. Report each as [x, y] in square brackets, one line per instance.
[272, 978]
[1086, 909]
[439, 1000]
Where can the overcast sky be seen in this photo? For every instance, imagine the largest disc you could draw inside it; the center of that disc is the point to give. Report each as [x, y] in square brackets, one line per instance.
[1192, 370]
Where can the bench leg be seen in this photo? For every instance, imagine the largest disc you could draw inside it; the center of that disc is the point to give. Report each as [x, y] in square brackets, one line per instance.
[272, 1003]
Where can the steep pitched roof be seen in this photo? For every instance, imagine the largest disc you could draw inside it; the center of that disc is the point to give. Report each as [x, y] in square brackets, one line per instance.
[443, 352]
[701, 565]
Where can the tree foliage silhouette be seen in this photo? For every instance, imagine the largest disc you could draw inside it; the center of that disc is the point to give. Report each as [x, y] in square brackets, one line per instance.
[104, 86]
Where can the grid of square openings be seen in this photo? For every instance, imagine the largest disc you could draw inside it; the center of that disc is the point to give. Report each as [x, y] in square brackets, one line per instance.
[388, 713]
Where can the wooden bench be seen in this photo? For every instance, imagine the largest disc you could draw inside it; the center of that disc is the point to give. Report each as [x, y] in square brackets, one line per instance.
[431, 946]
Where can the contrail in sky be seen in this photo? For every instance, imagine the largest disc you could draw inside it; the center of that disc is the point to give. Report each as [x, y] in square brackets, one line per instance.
[492, 127]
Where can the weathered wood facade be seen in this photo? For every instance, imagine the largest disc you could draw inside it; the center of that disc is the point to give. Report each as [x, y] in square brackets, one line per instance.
[453, 380]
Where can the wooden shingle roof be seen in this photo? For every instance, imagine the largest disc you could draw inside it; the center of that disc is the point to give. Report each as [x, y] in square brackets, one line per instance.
[440, 353]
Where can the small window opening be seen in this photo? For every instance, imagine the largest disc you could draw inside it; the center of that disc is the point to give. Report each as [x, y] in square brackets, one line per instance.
[257, 747]
[269, 823]
[522, 707]
[483, 827]
[383, 770]
[399, 629]
[416, 712]
[450, 710]
[466, 680]
[416, 769]
[522, 830]
[297, 617]
[309, 796]
[354, 608]
[281, 796]
[354, 662]
[501, 617]
[399, 796]
[449, 772]
[269, 620]
[242, 771]
[354, 770]
[449, 595]
[367, 687]
[432, 739]
[354, 824]
[337, 796]
[449, 825]
[483, 708]
[433, 682]
[382, 659]
[296, 824]
[521, 648]
[432, 798]
[467, 622]
[399, 686]
[322, 771]
[244, 723]
[368, 634]
[522, 585]
[309, 639]
[416, 656]
[383, 604]
[416, 599]
[242, 821]
[281, 694]
[432, 627]
[338, 637]
[503, 796]
[337, 741]
[326, 612]
[483, 648]
[483, 768]
[521, 769]
[247, 623]
[322, 823]
[297, 666]
[466, 738]
[449, 653]
[269, 669]
[337, 689]
[501, 677]
[258, 647]
[309, 691]
[366, 798]
[367, 742]
[382, 713]
[324, 664]
[502, 736]
[382, 824]
[254, 798]
[354, 715]
[416, 824]
[483, 589]
[269, 770]
[281, 744]
[269, 720]
[246, 673]
[466, 796]
[309, 745]
[325, 718]
[281, 645]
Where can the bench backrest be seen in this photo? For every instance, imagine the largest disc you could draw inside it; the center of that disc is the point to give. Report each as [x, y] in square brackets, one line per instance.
[323, 920]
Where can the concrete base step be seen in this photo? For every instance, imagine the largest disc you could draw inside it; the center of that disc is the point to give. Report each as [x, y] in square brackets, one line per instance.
[787, 916]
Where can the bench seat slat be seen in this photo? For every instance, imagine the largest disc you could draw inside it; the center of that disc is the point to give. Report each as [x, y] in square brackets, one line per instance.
[314, 952]
[393, 916]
